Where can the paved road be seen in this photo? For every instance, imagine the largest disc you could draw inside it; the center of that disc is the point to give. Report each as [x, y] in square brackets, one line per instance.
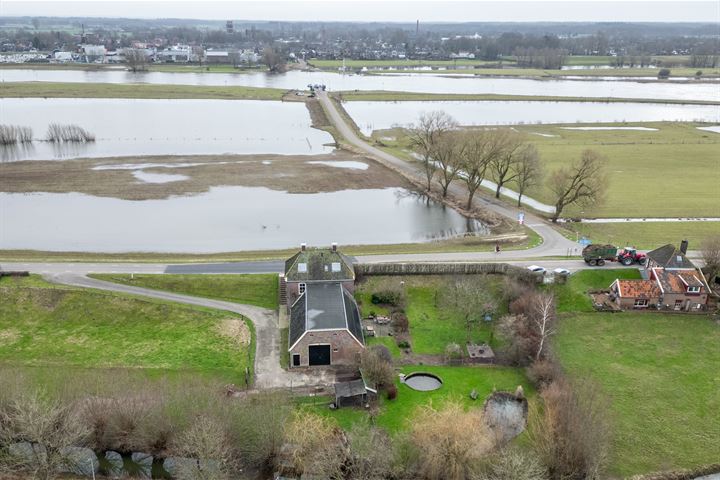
[554, 243]
[268, 373]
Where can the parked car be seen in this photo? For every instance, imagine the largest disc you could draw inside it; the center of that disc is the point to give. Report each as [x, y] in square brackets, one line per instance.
[561, 271]
[536, 269]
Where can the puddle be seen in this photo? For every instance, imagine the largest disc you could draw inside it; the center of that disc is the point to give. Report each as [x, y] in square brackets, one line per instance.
[639, 129]
[148, 177]
[349, 164]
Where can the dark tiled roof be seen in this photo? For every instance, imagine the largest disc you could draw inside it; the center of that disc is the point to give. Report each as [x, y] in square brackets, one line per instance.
[325, 306]
[318, 266]
[297, 320]
[669, 256]
[353, 317]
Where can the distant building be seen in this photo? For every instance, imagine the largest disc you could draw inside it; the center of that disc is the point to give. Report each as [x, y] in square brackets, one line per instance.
[177, 54]
[325, 326]
[93, 53]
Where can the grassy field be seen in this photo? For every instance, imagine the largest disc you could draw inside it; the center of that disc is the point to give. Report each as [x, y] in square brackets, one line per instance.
[649, 73]
[432, 325]
[349, 63]
[657, 369]
[260, 290]
[111, 90]
[464, 244]
[44, 325]
[644, 235]
[458, 382]
[671, 172]
[660, 371]
[388, 96]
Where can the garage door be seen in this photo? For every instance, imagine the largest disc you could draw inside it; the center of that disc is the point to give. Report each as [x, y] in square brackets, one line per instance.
[319, 355]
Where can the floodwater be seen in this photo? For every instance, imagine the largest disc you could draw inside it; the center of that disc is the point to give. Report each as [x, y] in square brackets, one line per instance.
[371, 116]
[225, 219]
[125, 127]
[402, 82]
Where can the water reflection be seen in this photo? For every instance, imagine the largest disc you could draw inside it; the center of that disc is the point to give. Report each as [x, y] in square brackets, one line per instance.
[15, 152]
[226, 219]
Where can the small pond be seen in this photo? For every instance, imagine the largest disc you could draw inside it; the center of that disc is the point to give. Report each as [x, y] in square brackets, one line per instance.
[371, 116]
[125, 127]
[422, 381]
[225, 219]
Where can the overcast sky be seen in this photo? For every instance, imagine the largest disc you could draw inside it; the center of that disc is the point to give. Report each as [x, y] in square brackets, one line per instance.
[371, 10]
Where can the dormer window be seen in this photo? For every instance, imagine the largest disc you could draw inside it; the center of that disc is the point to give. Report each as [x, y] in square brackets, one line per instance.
[302, 267]
[335, 266]
[693, 289]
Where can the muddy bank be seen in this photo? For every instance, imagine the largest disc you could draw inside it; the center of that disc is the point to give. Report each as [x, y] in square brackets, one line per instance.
[159, 177]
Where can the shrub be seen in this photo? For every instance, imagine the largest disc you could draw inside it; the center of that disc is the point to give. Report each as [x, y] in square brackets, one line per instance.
[388, 291]
[68, 133]
[383, 352]
[453, 351]
[317, 445]
[403, 343]
[401, 322]
[543, 372]
[372, 454]
[664, 73]
[392, 391]
[376, 370]
[12, 134]
[515, 464]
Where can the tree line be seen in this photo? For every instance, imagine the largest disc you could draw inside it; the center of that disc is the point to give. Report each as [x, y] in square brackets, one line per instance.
[504, 156]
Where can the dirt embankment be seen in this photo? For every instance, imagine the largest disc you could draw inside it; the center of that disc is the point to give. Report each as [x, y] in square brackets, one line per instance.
[116, 177]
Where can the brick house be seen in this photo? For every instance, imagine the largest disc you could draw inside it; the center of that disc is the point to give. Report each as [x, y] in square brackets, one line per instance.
[325, 326]
[672, 283]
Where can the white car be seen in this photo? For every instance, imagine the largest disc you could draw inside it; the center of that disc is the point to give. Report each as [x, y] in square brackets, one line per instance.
[561, 271]
[536, 269]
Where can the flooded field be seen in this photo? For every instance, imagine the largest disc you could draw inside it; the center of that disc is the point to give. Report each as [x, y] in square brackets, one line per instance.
[224, 219]
[403, 82]
[371, 116]
[125, 127]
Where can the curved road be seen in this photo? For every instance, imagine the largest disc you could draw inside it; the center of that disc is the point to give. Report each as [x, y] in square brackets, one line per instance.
[554, 244]
[268, 373]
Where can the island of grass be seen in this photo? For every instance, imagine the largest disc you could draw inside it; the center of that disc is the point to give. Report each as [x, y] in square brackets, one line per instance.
[46, 325]
[260, 290]
[658, 369]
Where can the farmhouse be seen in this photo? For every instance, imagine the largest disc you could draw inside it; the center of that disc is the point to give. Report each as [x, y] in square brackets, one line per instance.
[672, 283]
[325, 326]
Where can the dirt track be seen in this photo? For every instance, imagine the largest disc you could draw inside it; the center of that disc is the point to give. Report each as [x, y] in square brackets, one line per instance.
[291, 173]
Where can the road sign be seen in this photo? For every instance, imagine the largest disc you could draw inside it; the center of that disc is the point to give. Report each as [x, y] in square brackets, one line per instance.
[521, 217]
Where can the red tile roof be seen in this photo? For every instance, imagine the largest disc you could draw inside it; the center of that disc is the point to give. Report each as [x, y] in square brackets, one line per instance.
[638, 289]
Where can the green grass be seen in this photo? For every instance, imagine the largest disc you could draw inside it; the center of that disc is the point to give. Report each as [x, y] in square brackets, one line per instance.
[644, 235]
[389, 342]
[335, 64]
[660, 371]
[458, 382]
[650, 73]
[572, 297]
[109, 90]
[254, 289]
[389, 96]
[43, 325]
[432, 326]
[671, 172]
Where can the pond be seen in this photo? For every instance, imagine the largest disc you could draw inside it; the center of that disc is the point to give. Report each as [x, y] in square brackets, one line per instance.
[402, 82]
[371, 116]
[423, 382]
[125, 127]
[225, 219]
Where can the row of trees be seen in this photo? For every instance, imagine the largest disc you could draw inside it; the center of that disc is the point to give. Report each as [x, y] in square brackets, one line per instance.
[504, 156]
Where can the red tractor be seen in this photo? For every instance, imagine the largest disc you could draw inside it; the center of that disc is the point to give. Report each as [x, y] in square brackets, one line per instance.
[628, 256]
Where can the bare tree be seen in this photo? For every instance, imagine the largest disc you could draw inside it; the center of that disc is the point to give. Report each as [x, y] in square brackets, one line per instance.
[446, 154]
[318, 445]
[711, 257]
[515, 464]
[583, 183]
[481, 147]
[502, 167]
[451, 442]
[471, 298]
[273, 59]
[528, 171]
[376, 370]
[206, 442]
[135, 59]
[543, 316]
[371, 453]
[425, 134]
[572, 433]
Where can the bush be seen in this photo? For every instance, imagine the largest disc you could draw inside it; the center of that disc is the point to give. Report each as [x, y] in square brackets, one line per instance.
[392, 391]
[664, 73]
[515, 464]
[317, 445]
[403, 343]
[388, 291]
[376, 371]
[383, 352]
[401, 322]
[543, 372]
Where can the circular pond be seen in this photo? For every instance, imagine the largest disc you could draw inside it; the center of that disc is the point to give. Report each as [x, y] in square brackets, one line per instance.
[423, 382]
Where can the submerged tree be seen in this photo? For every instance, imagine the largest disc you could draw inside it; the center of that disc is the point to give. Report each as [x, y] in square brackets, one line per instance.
[424, 137]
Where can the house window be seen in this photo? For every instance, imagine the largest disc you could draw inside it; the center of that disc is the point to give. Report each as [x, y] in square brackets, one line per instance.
[641, 303]
[301, 288]
[693, 290]
[335, 266]
[302, 267]
[296, 359]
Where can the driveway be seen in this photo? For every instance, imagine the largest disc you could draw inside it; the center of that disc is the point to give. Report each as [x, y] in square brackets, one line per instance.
[268, 373]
